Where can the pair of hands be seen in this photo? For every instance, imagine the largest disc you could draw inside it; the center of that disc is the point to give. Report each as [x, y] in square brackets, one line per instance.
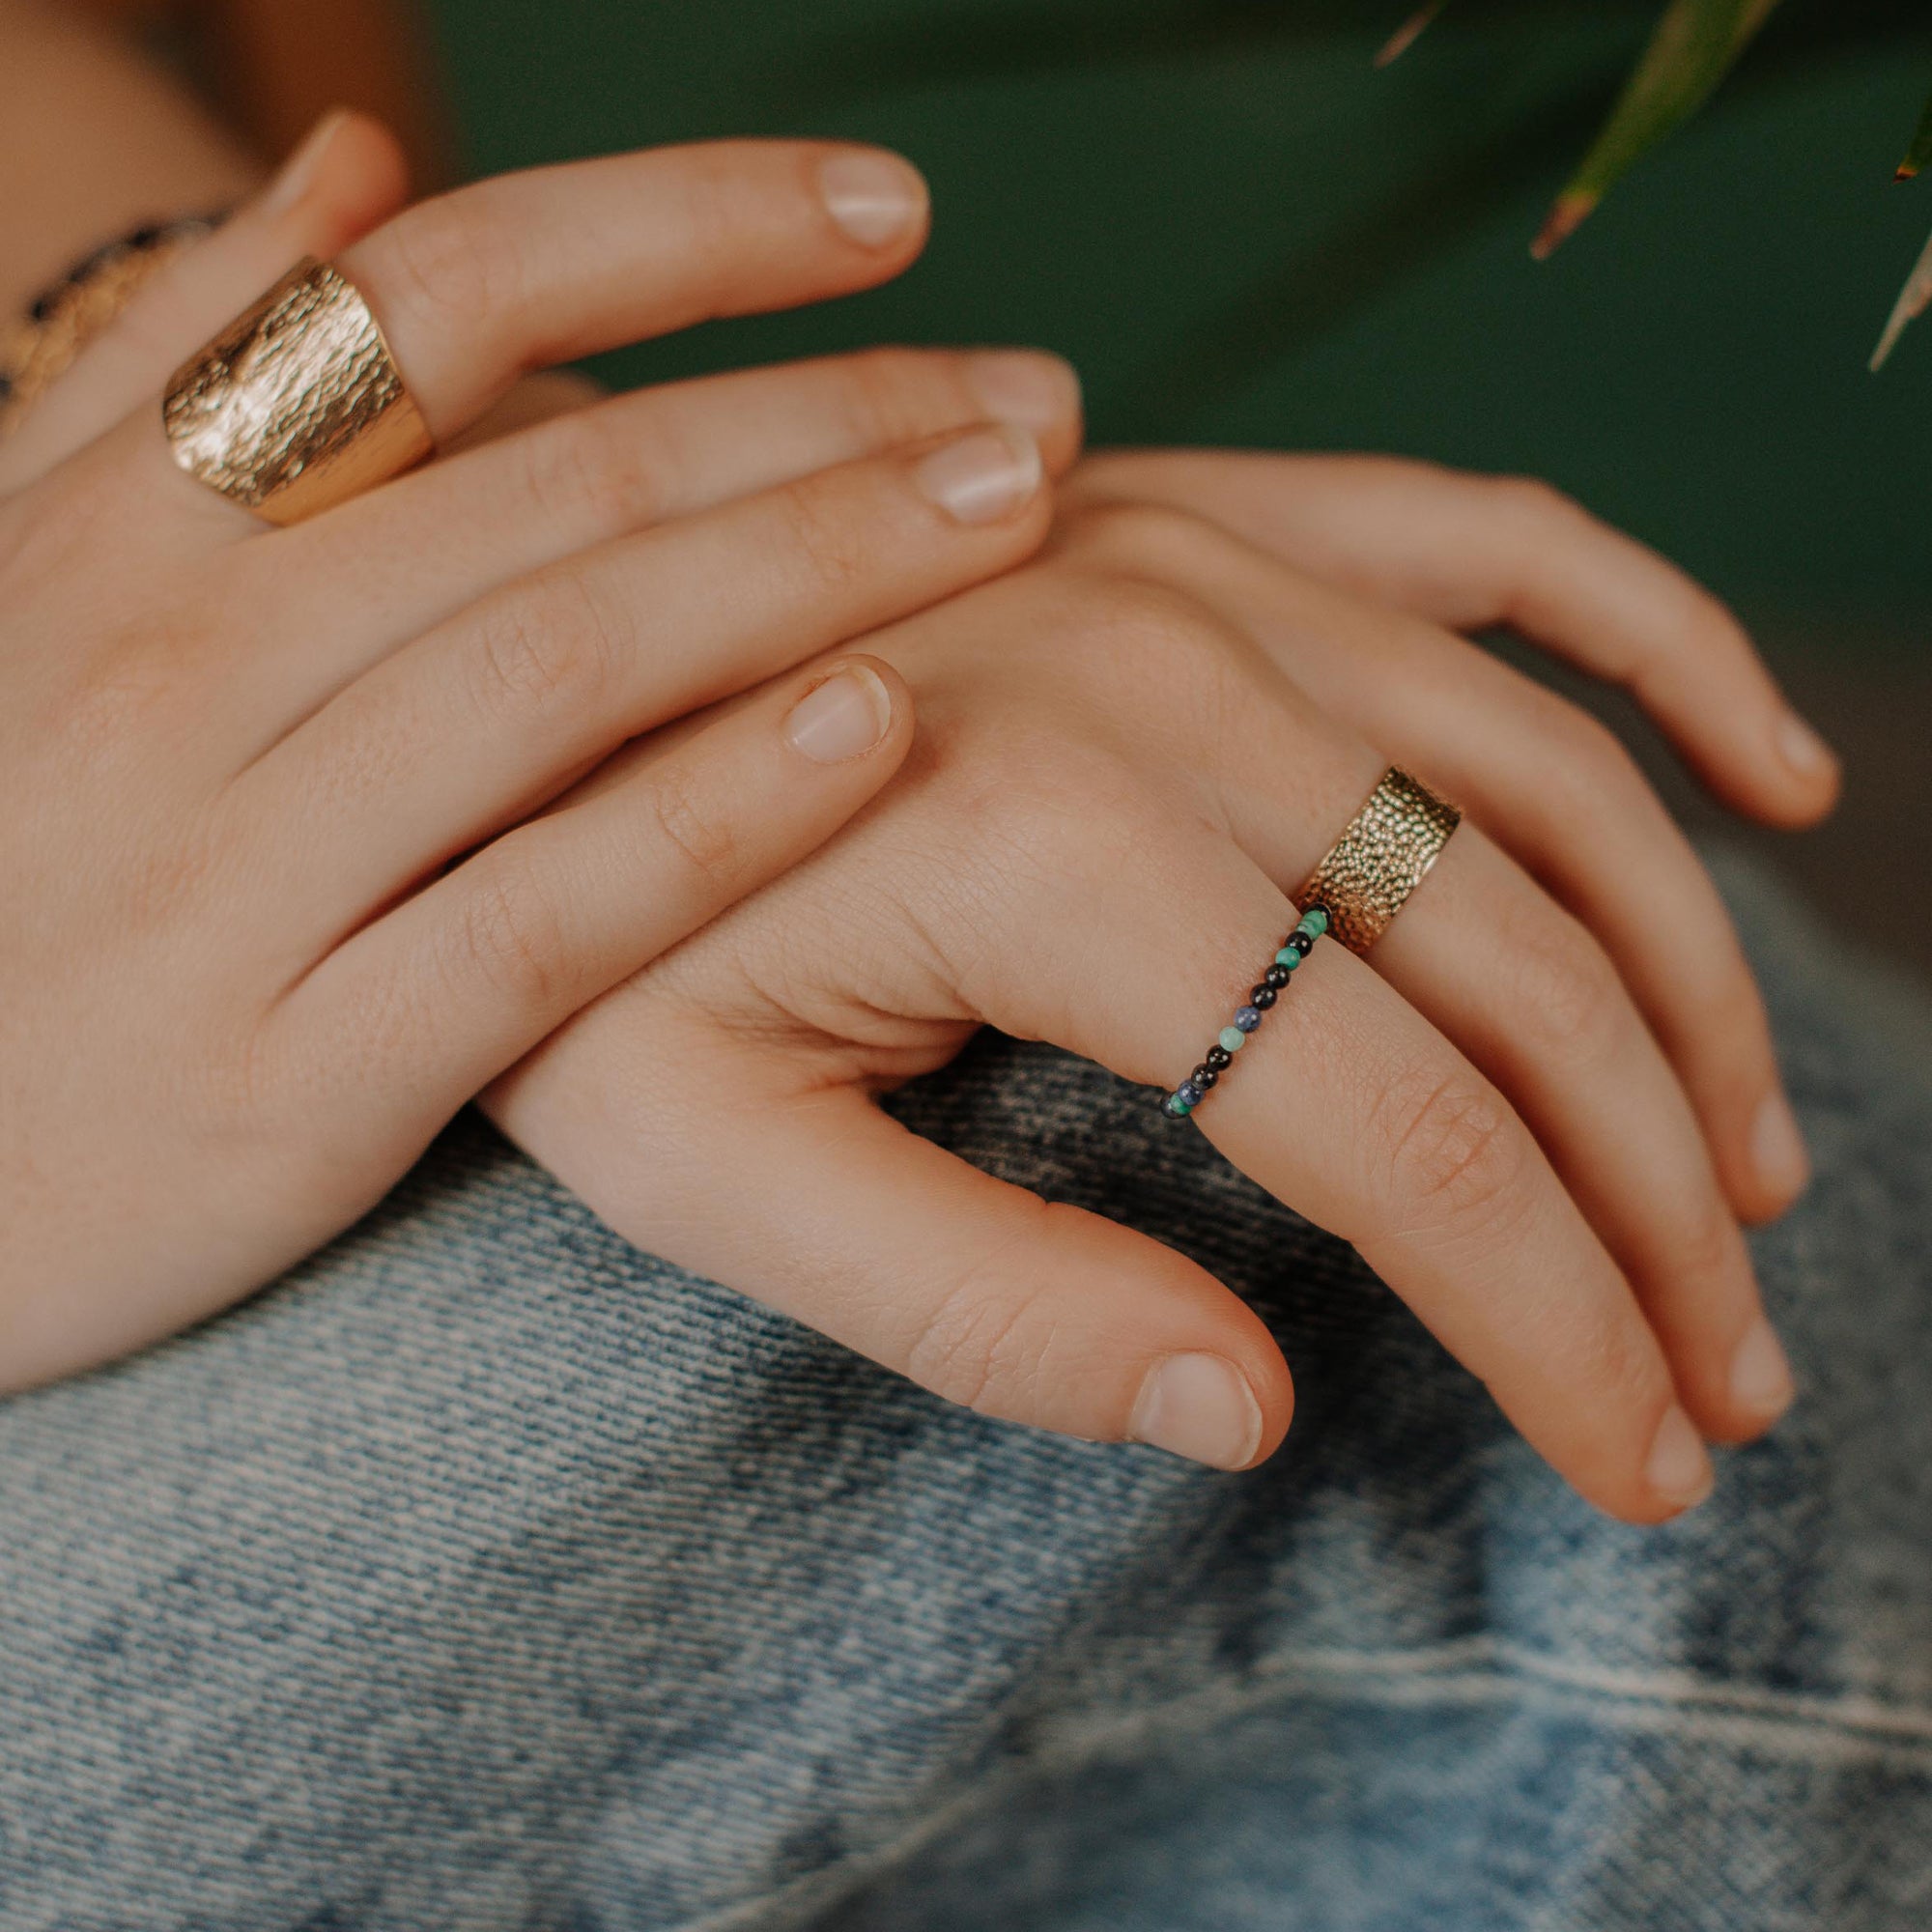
[318, 832]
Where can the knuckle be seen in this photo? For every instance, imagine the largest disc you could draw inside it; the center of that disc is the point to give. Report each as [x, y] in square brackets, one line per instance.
[972, 1345]
[1140, 537]
[1185, 669]
[452, 262]
[169, 884]
[893, 395]
[510, 936]
[1530, 502]
[545, 647]
[1713, 630]
[1709, 1249]
[725, 206]
[112, 703]
[581, 475]
[1567, 996]
[1136, 623]
[1454, 1153]
[1593, 767]
[693, 826]
[828, 545]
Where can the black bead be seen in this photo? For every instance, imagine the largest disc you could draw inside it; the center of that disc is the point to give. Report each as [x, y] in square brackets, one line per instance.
[1218, 1056]
[1276, 976]
[1263, 997]
[1301, 943]
[1204, 1077]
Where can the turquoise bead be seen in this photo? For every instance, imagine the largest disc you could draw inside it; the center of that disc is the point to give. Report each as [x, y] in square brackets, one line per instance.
[1313, 922]
[1176, 1108]
[1233, 1040]
[1288, 957]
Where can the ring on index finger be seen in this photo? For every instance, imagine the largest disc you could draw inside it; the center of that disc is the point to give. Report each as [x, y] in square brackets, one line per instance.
[297, 405]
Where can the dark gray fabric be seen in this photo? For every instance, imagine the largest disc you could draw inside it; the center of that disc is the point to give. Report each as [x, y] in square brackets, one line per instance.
[487, 1574]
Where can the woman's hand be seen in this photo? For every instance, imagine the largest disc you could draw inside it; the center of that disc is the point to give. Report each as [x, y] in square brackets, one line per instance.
[267, 929]
[1121, 767]
[1478, 552]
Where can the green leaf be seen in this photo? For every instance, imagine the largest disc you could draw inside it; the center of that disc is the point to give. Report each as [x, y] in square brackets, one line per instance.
[1920, 150]
[1690, 51]
[1408, 33]
[1913, 300]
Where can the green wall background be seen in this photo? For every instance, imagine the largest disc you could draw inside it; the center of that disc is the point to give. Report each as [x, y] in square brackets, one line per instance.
[1241, 232]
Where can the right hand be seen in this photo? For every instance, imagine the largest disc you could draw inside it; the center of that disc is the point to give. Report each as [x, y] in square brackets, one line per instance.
[274, 910]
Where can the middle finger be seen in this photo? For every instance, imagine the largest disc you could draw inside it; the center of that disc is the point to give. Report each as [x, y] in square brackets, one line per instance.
[526, 272]
[412, 555]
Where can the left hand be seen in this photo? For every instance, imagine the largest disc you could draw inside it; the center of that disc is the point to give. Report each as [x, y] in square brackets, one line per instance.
[1460, 554]
[1131, 747]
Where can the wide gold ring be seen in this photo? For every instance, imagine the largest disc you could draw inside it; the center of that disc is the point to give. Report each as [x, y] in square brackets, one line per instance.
[1370, 871]
[298, 404]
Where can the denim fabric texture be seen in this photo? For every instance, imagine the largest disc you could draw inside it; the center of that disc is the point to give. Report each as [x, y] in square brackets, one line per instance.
[486, 1574]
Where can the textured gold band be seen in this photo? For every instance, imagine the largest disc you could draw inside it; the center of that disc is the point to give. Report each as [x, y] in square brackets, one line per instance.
[1379, 859]
[298, 404]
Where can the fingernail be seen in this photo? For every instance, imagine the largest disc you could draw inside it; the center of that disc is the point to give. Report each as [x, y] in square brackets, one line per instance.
[981, 477]
[840, 718]
[299, 172]
[1199, 1407]
[1679, 1469]
[1019, 386]
[874, 198]
[1801, 748]
[1777, 1148]
[1760, 1376]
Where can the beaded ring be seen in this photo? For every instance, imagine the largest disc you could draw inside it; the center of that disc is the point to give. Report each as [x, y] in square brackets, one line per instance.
[1296, 948]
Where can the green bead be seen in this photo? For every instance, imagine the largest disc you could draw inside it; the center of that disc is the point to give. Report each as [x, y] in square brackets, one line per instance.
[1288, 957]
[1313, 922]
[1233, 1040]
[1176, 1108]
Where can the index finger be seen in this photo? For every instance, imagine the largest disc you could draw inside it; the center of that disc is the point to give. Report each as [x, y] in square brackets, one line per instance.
[525, 271]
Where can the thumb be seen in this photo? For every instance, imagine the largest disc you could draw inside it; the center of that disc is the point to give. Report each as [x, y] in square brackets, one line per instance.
[1032, 1310]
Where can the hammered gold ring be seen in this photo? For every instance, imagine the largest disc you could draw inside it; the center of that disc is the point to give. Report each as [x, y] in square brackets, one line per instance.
[1370, 871]
[298, 404]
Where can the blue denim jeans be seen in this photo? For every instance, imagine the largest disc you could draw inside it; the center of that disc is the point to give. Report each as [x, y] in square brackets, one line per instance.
[488, 1574]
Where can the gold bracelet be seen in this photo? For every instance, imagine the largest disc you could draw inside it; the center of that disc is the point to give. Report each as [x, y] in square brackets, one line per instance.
[66, 316]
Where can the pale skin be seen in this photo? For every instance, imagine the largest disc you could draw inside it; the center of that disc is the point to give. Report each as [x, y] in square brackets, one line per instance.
[1547, 1104]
